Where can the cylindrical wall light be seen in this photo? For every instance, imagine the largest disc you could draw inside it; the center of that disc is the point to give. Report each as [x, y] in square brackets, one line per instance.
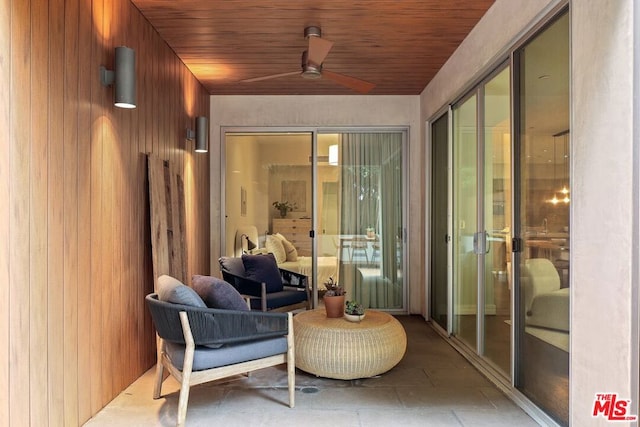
[202, 134]
[123, 76]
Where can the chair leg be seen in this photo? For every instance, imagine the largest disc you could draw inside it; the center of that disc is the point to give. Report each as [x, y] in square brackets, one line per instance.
[187, 367]
[291, 365]
[157, 390]
[184, 398]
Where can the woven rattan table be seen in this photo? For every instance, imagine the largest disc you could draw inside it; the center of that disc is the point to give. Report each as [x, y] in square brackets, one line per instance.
[337, 348]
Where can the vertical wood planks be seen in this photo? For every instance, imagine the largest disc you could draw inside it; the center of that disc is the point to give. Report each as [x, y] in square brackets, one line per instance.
[5, 214]
[76, 263]
[38, 329]
[20, 141]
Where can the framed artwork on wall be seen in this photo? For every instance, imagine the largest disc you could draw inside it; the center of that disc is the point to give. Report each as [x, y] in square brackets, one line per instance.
[295, 192]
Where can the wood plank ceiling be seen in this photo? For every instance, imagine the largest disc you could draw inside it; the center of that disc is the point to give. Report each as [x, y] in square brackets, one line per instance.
[397, 45]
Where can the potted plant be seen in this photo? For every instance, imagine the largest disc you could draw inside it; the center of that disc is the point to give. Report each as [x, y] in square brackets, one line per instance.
[371, 232]
[353, 311]
[284, 207]
[333, 299]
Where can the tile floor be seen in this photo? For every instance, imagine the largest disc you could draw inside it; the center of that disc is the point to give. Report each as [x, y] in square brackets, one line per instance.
[433, 385]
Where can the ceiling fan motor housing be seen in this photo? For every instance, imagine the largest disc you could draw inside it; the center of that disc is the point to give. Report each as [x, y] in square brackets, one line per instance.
[312, 32]
[310, 70]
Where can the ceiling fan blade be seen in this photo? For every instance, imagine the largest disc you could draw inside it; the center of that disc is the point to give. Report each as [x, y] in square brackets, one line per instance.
[273, 76]
[348, 81]
[318, 49]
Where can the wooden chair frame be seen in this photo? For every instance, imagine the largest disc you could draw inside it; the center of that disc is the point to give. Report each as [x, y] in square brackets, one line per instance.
[187, 377]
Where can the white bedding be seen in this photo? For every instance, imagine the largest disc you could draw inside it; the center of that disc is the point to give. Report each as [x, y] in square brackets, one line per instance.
[327, 267]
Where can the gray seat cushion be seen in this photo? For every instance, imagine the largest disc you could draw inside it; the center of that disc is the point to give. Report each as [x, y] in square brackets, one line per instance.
[281, 299]
[216, 293]
[172, 290]
[207, 358]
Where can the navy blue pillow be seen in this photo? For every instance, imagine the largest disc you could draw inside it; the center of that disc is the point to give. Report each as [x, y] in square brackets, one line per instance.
[263, 268]
[217, 293]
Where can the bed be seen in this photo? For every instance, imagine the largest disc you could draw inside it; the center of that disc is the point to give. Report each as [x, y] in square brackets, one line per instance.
[327, 265]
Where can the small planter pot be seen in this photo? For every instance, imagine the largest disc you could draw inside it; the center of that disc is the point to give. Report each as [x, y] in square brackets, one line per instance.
[334, 306]
[354, 317]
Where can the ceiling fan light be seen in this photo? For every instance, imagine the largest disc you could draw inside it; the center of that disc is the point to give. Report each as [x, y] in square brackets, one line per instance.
[312, 31]
[311, 73]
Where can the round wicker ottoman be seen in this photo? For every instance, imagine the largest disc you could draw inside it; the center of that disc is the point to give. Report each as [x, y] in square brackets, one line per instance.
[337, 348]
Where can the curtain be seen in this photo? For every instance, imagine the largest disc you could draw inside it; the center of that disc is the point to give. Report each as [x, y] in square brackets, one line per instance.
[371, 198]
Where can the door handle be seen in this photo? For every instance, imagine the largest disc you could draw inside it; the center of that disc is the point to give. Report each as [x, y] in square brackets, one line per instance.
[480, 242]
[487, 246]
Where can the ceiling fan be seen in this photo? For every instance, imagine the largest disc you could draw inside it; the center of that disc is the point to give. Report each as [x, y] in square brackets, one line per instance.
[312, 60]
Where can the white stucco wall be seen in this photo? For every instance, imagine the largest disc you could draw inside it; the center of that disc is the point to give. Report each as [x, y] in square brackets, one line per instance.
[327, 111]
[604, 258]
[604, 223]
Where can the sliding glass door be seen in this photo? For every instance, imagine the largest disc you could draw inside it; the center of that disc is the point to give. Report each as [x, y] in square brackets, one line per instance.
[481, 221]
[440, 236]
[542, 259]
[510, 193]
[497, 193]
[465, 220]
[345, 200]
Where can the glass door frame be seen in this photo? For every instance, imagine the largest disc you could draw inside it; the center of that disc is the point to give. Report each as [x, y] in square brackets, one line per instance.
[478, 92]
[429, 235]
[314, 131]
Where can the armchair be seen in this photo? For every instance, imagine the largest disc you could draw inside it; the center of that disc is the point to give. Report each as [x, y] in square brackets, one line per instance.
[546, 302]
[267, 287]
[197, 344]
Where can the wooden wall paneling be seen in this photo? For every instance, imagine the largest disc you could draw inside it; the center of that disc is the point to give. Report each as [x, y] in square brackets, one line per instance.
[84, 209]
[204, 179]
[128, 285]
[77, 263]
[55, 258]
[117, 368]
[187, 160]
[140, 179]
[98, 97]
[5, 208]
[110, 140]
[131, 285]
[19, 223]
[70, 211]
[147, 67]
[38, 234]
[142, 323]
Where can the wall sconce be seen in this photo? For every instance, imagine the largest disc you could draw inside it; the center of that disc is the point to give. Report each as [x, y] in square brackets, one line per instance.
[333, 154]
[202, 134]
[123, 77]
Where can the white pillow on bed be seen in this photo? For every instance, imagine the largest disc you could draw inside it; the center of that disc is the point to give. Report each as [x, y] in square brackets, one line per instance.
[275, 246]
[291, 251]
